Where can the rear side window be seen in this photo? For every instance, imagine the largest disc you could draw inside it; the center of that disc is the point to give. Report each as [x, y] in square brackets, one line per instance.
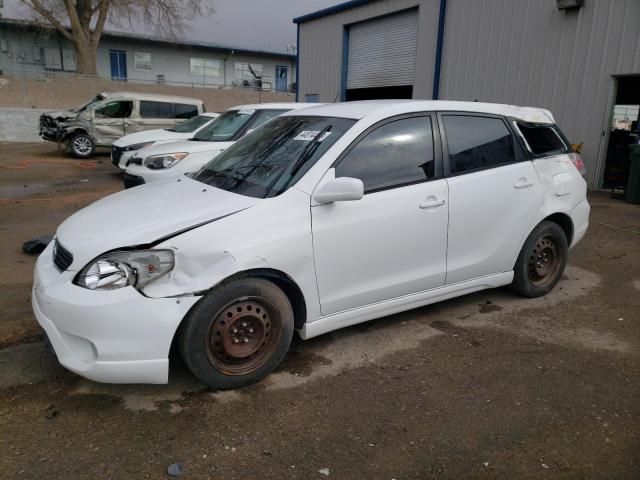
[395, 154]
[542, 139]
[155, 109]
[184, 110]
[476, 142]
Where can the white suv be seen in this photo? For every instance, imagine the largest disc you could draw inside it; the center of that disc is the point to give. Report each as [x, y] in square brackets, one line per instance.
[169, 160]
[320, 219]
[126, 147]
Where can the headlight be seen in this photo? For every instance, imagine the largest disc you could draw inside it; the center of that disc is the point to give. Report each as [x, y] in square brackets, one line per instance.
[137, 146]
[159, 162]
[121, 269]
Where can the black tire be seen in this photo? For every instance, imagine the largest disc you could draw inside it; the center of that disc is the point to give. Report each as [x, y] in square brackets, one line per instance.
[81, 145]
[541, 261]
[238, 333]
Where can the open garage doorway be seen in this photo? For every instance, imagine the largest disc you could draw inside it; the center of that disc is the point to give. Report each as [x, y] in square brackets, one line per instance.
[380, 57]
[624, 130]
[379, 93]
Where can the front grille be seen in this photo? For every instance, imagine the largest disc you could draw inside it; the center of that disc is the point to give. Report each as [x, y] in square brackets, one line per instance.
[116, 153]
[61, 256]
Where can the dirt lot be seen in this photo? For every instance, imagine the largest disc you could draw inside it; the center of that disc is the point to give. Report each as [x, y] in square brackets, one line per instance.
[485, 386]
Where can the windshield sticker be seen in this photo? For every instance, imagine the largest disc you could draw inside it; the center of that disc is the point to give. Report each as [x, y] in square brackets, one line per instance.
[246, 112]
[309, 135]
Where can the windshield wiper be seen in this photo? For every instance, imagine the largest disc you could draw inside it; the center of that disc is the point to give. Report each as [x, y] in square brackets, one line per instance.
[309, 150]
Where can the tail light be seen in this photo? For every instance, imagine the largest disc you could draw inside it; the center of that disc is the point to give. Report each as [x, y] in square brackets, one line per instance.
[577, 161]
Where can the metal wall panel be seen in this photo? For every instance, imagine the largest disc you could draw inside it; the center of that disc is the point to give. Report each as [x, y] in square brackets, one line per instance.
[321, 47]
[524, 52]
[529, 53]
[382, 52]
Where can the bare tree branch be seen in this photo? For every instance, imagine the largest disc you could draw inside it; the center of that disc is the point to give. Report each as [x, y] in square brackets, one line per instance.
[48, 15]
[82, 22]
[103, 6]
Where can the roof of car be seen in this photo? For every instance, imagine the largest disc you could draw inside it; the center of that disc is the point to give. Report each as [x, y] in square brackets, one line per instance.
[361, 109]
[150, 96]
[210, 114]
[276, 105]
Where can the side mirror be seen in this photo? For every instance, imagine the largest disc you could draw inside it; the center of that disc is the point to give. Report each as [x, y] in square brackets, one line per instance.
[341, 189]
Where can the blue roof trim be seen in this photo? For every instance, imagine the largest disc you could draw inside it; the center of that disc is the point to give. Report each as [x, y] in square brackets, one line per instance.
[330, 10]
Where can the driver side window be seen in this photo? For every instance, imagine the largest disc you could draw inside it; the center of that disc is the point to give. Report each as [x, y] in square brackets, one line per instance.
[120, 109]
[396, 154]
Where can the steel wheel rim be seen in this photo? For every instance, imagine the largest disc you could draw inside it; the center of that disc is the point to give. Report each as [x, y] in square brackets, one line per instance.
[243, 335]
[82, 145]
[544, 262]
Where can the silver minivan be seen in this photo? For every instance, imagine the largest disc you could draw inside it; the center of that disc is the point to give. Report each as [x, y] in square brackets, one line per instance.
[111, 115]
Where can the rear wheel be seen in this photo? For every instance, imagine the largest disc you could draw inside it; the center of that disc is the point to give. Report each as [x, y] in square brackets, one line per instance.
[238, 333]
[81, 145]
[541, 261]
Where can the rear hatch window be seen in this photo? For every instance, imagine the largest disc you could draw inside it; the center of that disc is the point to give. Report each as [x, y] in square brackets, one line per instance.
[542, 140]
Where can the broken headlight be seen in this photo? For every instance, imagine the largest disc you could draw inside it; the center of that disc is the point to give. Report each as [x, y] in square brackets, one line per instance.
[122, 269]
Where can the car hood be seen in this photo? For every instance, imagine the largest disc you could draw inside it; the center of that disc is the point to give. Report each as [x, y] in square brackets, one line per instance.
[145, 214]
[188, 146]
[63, 114]
[157, 135]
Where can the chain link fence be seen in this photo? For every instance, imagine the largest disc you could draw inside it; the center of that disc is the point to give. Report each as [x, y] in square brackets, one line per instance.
[59, 90]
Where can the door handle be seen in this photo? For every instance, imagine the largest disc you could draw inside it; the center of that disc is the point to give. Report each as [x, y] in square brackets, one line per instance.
[523, 183]
[431, 203]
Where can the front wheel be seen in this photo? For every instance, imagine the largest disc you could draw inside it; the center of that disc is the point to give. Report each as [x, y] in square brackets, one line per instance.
[238, 333]
[541, 262]
[81, 145]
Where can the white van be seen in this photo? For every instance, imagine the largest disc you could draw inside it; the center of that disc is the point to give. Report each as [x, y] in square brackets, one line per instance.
[110, 115]
[126, 147]
[174, 159]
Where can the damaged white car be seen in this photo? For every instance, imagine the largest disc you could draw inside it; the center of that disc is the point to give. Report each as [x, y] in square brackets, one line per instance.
[111, 115]
[320, 219]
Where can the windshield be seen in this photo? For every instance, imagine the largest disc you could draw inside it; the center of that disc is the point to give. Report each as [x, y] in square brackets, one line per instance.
[190, 125]
[226, 127]
[268, 161]
[88, 105]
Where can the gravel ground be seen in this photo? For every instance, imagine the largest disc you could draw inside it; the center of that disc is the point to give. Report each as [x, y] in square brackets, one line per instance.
[484, 386]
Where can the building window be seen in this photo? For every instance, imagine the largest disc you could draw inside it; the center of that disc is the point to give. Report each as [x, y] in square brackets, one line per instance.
[248, 71]
[204, 67]
[142, 61]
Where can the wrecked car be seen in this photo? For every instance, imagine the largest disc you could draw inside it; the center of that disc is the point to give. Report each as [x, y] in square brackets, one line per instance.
[322, 218]
[111, 115]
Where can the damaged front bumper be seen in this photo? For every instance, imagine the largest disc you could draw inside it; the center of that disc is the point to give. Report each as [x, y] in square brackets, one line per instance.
[50, 129]
[117, 336]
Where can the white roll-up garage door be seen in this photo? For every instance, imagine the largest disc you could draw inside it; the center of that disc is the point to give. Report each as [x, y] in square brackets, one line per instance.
[382, 52]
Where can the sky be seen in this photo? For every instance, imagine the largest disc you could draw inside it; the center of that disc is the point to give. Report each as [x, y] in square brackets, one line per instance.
[257, 24]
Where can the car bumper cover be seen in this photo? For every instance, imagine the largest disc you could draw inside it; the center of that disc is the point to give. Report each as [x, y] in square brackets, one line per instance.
[132, 180]
[117, 336]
